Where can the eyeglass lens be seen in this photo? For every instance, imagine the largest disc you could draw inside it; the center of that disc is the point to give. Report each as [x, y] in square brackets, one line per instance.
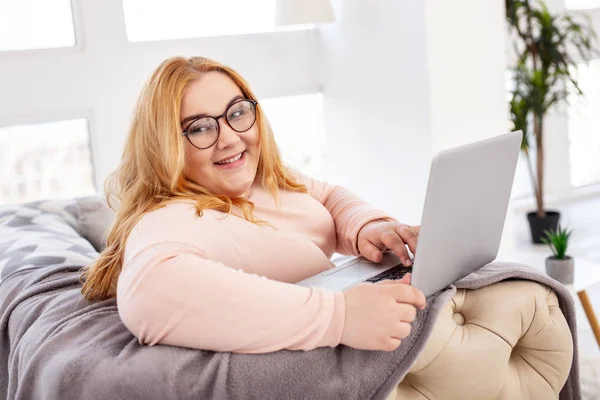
[204, 132]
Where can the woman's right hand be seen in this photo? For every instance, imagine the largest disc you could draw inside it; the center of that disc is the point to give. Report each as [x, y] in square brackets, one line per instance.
[379, 316]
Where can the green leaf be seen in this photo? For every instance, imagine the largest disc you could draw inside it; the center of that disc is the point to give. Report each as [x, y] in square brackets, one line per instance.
[558, 241]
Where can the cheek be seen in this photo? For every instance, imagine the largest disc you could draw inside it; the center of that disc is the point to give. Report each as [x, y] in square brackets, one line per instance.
[252, 139]
[197, 162]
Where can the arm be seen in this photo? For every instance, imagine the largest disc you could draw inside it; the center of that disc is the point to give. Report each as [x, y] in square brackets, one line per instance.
[350, 213]
[170, 293]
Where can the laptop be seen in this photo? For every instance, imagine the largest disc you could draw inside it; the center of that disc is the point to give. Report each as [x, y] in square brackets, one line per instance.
[463, 217]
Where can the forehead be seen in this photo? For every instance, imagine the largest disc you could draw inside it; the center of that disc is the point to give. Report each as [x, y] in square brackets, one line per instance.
[209, 94]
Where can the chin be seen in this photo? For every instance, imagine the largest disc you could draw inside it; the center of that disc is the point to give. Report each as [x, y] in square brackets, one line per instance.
[238, 190]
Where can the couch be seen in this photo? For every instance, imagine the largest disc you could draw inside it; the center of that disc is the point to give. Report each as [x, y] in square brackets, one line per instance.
[508, 340]
[513, 331]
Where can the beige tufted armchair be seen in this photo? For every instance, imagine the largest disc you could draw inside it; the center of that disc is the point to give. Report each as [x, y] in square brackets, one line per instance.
[506, 341]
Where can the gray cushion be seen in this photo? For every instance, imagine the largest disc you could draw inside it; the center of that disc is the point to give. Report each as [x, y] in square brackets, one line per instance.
[40, 234]
[94, 219]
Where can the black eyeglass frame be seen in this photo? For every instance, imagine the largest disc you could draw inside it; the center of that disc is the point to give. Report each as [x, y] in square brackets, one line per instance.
[217, 118]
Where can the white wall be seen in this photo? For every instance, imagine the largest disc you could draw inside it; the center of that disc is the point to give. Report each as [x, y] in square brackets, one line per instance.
[376, 97]
[466, 61]
[101, 77]
[403, 80]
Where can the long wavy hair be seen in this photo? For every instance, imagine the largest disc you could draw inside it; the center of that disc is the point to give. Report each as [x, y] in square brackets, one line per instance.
[151, 172]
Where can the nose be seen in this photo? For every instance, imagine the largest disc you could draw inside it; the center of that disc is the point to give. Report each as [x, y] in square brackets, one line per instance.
[227, 136]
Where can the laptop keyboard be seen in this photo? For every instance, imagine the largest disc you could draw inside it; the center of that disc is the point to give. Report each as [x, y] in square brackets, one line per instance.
[391, 274]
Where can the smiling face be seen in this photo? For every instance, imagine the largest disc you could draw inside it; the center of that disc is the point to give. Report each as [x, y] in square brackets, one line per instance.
[229, 166]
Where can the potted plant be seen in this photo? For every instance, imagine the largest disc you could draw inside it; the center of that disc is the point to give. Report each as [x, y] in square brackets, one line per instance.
[559, 266]
[548, 48]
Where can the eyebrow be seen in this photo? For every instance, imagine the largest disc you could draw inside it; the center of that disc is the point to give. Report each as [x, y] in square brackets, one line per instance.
[195, 116]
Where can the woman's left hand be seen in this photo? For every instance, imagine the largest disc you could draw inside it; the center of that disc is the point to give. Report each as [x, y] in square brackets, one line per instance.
[377, 236]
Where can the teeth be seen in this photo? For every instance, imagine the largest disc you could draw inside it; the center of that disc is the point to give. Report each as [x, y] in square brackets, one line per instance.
[230, 160]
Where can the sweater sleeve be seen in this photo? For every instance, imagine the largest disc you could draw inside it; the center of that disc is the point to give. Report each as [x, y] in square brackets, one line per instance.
[350, 213]
[171, 293]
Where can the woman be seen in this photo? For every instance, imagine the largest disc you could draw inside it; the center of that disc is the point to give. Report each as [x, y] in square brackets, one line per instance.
[212, 231]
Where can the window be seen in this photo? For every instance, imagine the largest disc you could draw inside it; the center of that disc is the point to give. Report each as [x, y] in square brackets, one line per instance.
[297, 123]
[36, 24]
[582, 4]
[177, 19]
[584, 127]
[45, 161]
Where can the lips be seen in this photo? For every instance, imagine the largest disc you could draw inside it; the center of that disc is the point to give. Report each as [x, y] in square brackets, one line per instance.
[230, 159]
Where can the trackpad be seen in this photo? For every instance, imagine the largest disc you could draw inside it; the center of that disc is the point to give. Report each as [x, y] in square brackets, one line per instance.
[339, 283]
[361, 270]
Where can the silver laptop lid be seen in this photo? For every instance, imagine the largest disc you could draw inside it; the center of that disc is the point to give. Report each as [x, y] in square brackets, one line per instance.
[465, 209]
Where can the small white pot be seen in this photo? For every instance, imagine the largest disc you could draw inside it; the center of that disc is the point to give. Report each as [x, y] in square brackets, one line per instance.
[561, 270]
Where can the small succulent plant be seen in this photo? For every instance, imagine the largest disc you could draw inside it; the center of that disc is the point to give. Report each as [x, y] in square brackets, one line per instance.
[558, 240]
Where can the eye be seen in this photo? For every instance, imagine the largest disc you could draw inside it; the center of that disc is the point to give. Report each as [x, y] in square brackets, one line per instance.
[197, 129]
[200, 127]
[238, 111]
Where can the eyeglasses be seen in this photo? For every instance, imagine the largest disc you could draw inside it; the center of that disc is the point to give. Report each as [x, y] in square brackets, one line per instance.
[203, 132]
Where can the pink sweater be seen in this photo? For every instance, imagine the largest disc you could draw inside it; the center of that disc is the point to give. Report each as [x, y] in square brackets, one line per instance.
[219, 282]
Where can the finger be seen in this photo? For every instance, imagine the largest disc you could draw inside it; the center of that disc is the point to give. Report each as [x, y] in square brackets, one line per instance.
[416, 228]
[406, 313]
[410, 294]
[393, 241]
[409, 236]
[371, 252]
[386, 282]
[392, 344]
[401, 331]
[406, 279]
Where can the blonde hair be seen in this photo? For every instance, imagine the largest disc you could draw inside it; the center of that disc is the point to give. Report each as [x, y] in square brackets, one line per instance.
[151, 172]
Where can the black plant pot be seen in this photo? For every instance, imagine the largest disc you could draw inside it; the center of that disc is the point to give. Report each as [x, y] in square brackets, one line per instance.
[539, 225]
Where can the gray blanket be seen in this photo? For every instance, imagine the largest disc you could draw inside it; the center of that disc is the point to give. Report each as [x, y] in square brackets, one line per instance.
[56, 345]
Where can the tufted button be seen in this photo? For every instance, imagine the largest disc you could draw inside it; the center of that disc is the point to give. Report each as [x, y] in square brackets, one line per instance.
[458, 318]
